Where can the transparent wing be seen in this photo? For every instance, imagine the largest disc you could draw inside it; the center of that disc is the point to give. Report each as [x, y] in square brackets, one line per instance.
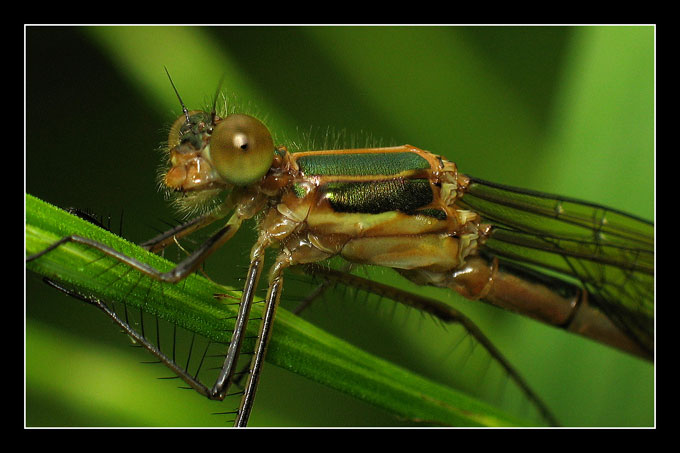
[609, 252]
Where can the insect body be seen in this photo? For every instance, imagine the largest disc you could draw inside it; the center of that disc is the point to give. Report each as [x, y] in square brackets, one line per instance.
[392, 207]
[399, 207]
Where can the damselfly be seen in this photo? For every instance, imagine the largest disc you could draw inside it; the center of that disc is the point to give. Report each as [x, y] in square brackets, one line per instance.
[408, 209]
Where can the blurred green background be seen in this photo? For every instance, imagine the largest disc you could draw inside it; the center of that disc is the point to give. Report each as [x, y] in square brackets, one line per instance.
[567, 110]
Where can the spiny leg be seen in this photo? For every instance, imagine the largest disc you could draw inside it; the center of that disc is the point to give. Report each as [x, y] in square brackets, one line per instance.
[318, 292]
[221, 385]
[167, 237]
[139, 338]
[443, 312]
[226, 374]
[180, 271]
[268, 315]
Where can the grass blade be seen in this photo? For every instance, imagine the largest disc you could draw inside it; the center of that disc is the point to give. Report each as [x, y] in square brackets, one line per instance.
[296, 345]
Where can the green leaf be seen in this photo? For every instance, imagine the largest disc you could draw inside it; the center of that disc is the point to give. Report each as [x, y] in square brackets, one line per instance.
[296, 345]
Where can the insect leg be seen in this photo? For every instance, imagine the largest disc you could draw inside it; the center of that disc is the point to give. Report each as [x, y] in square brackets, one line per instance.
[272, 301]
[317, 292]
[166, 238]
[447, 314]
[183, 269]
[136, 336]
[226, 374]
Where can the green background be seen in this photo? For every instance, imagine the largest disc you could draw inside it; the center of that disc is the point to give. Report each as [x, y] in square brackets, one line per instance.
[568, 110]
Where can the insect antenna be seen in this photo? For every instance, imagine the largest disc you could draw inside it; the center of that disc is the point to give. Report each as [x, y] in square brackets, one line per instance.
[184, 108]
[213, 111]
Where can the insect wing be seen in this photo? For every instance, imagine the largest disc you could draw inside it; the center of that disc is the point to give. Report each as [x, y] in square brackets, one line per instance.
[609, 252]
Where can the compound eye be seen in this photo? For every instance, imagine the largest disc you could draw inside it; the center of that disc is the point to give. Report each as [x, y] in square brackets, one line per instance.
[241, 149]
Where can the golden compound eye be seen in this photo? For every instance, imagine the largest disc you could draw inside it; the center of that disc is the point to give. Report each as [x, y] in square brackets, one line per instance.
[241, 149]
